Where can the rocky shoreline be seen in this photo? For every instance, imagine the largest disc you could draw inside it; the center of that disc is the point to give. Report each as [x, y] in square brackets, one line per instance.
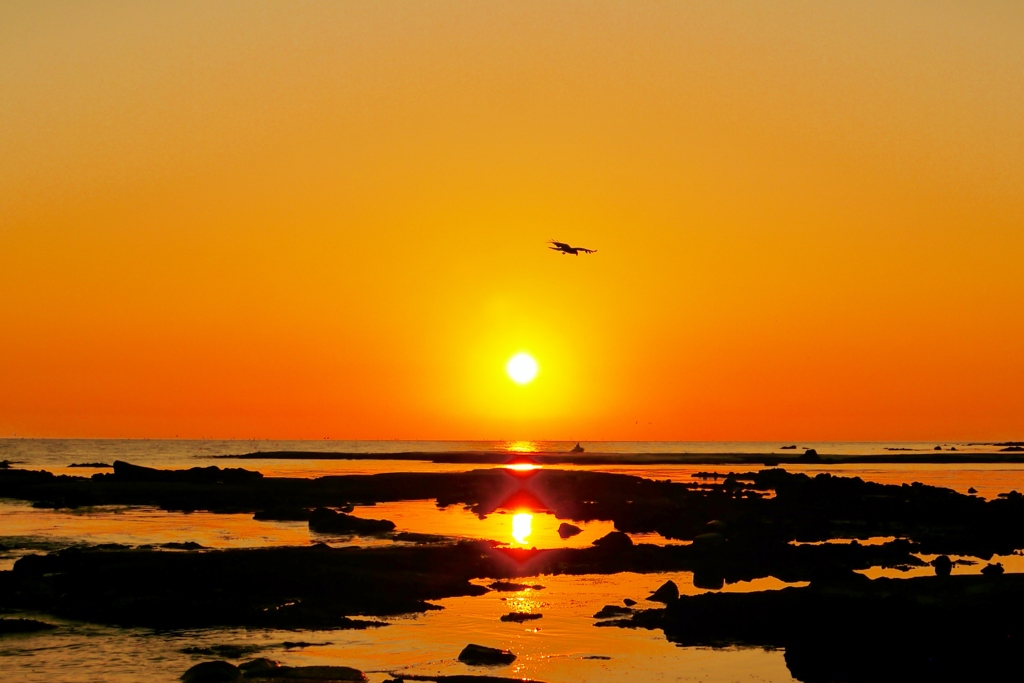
[741, 527]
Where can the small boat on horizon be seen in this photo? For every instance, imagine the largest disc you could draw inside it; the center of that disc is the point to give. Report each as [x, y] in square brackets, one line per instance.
[577, 448]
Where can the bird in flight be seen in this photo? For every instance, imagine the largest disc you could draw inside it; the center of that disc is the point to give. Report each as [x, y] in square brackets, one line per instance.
[566, 249]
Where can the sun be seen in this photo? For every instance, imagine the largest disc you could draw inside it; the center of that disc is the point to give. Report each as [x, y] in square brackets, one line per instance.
[522, 368]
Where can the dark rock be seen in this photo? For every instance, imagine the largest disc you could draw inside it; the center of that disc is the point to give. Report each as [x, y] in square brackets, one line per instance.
[611, 611]
[952, 448]
[327, 521]
[992, 569]
[566, 530]
[614, 541]
[628, 602]
[810, 455]
[943, 565]
[1012, 449]
[9, 626]
[422, 539]
[972, 490]
[520, 617]
[604, 657]
[938, 448]
[791, 447]
[212, 672]
[92, 465]
[959, 628]
[126, 472]
[187, 545]
[717, 526]
[225, 651]
[708, 580]
[667, 592]
[711, 539]
[475, 655]
[261, 667]
[301, 644]
[512, 587]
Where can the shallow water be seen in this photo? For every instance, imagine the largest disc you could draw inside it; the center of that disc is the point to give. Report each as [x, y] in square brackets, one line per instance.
[553, 648]
[56, 455]
[136, 526]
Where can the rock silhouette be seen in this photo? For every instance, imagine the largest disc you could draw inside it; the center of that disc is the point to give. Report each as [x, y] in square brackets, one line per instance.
[477, 655]
[519, 617]
[609, 611]
[943, 565]
[326, 521]
[667, 592]
[859, 630]
[566, 530]
[212, 672]
[614, 541]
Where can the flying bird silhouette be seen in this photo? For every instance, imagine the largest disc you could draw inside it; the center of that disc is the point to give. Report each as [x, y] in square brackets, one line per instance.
[566, 249]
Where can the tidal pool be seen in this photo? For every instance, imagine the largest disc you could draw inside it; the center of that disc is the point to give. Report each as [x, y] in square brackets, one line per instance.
[563, 646]
[25, 529]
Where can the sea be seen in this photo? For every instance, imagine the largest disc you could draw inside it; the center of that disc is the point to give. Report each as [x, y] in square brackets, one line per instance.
[564, 646]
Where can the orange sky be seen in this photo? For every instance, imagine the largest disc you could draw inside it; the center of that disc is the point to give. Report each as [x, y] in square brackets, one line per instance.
[300, 220]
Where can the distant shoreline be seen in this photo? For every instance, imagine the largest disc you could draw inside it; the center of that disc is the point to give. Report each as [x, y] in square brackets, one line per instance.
[548, 458]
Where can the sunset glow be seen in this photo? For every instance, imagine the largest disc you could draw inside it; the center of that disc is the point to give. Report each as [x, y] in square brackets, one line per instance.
[807, 222]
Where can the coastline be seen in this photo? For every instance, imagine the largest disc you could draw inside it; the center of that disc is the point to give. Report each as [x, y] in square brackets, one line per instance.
[554, 458]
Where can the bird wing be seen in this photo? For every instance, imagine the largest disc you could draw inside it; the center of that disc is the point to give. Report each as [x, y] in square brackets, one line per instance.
[586, 251]
[559, 245]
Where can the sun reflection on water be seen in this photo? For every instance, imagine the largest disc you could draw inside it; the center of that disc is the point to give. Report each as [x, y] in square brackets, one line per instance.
[522, 447]
[522, 466]
[522, 527]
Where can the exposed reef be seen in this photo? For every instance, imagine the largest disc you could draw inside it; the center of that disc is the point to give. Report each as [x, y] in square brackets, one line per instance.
[753, 509]
[743, 526]
[996, 455]
[853, 629]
